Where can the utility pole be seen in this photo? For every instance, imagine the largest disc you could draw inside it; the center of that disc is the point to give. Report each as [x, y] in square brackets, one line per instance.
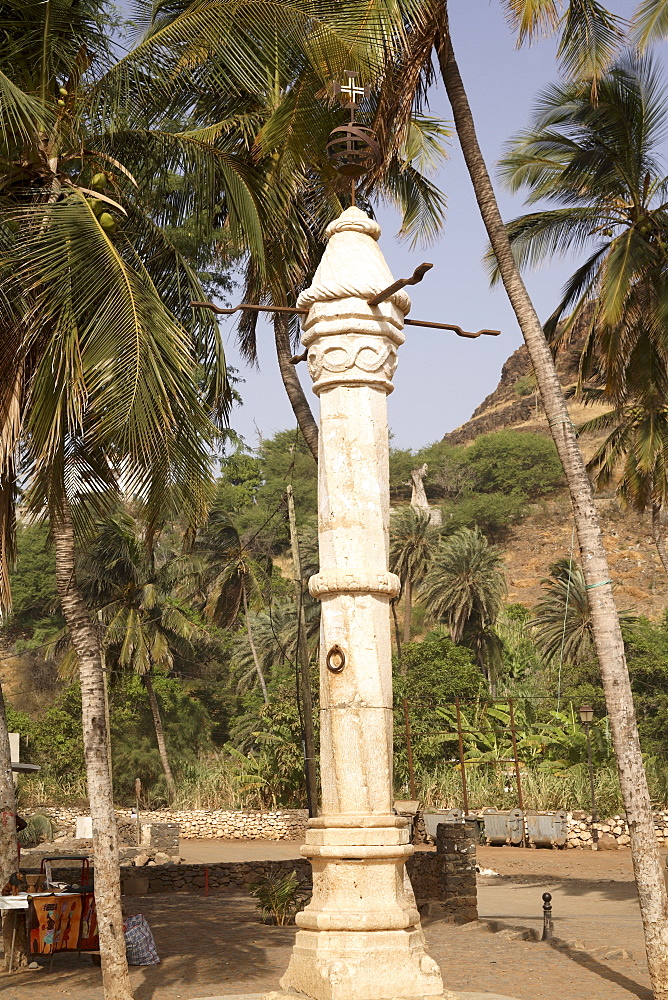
[520, 797]
[409, 749]
[304, 666]
[462, 763]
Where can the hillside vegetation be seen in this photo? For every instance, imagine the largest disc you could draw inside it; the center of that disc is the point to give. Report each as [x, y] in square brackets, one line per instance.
[214, 619]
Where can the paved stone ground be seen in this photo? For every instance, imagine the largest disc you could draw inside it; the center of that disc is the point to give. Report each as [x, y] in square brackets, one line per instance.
[216, 946]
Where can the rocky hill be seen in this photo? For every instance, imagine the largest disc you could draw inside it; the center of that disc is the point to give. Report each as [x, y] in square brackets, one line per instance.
[547, 534]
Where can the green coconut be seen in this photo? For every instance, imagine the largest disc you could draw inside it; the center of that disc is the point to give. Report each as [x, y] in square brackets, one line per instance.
[108, 222]
[99, 181]
[97, 205]
[62, 91]
[61, 103]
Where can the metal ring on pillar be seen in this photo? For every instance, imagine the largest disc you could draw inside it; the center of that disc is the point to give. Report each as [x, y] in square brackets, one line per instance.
[335, 659]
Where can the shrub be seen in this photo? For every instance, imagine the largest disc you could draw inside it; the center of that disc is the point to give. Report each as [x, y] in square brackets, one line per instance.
[525, 385]
[279, 896]
[515, 463]
[493, 513]
[39, 829]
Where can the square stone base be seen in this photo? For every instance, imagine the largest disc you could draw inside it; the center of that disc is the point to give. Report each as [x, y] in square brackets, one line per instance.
[362, 965]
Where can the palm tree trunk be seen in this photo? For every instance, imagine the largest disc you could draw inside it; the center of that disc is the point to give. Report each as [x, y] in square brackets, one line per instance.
[8, 848]
[12, 920]
[293, 387]
[657, 536]
[251, 642]
[160, 737]
[607, 634]
[408, 608]
[115, 977]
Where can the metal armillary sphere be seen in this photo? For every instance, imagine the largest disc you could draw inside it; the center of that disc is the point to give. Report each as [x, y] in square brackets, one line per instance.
[352, 149]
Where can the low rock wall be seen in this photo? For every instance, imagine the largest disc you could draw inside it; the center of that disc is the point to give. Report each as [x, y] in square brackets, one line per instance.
[290, 824]
[426, 870]
[613, 833]
[226, 824]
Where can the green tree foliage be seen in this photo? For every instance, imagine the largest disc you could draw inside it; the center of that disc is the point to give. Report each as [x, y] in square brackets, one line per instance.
[54, 741]
[33, 580]
[647, 652]
[433, 673]
[493, 513]
[490, 484]
[282, 459]
[436, 672]
[522, 662]
[562, 619]
[239, 482]
[187, 727]
[514, 463]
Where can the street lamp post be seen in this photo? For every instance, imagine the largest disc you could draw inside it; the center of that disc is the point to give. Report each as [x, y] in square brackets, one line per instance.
[586, 717]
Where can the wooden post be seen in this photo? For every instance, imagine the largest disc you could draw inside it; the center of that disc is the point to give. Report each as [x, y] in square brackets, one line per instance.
[513, 735]
[460, 740]
[304, 666]
[137, 797]
[409, 748]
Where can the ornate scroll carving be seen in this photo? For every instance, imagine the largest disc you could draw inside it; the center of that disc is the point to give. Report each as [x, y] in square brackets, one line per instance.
[366, 360]
[350, 581]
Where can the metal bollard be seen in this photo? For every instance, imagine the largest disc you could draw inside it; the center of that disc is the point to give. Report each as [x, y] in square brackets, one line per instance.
[547, 917]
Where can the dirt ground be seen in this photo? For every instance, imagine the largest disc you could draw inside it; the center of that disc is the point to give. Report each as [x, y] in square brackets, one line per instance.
[216, 946]
[565, 864]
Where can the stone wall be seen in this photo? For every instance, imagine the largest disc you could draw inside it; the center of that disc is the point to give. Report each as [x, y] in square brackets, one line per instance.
[432, 884]
[426, 871]
[612, 833]
[290, 824]
[227, 824]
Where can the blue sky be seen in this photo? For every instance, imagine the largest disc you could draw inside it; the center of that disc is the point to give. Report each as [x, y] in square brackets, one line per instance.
[442, 378]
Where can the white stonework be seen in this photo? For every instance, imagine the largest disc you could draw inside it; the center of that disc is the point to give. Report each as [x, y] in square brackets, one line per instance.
[360, 937]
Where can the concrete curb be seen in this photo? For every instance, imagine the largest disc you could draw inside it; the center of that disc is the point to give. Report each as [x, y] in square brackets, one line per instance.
[458, 996]
[519, 933]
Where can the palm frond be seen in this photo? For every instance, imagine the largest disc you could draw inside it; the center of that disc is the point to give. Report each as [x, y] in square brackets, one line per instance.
[650, 23]
[22, 116]
[591, 39]
[531, 18]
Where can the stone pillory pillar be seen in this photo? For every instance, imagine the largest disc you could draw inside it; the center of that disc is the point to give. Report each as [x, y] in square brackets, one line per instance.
[360, 937]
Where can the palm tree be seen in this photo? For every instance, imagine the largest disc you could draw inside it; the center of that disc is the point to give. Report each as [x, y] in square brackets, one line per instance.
[412, 543]
[231, 580]
[584, 22]
[597, 158]
[465, 586]
[562, 623]
[562, 620]
[99, 372]
[636, 444]
[145, 627]
[280, 114]
[275, 639]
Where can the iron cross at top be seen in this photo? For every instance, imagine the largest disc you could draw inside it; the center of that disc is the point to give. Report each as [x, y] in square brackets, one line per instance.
[351, 90]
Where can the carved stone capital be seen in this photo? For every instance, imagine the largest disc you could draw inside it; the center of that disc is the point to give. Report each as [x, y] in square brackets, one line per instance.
[349, 581]
[350, 359]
